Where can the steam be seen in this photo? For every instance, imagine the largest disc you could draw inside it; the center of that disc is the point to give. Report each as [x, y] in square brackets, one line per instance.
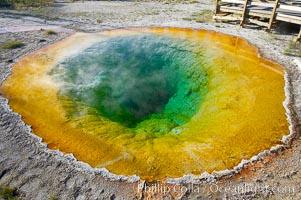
[134, 78]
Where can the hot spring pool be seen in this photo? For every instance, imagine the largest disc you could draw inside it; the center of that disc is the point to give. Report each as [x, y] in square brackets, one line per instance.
[155, 102]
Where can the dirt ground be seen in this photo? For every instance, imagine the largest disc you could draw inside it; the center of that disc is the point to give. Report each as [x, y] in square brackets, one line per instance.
[40, 173]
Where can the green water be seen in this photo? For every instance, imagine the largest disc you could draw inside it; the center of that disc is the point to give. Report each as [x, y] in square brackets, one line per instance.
[147, 83]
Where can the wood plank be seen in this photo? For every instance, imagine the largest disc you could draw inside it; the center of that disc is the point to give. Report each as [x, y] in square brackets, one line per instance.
[270, 8]
[233, 1]
[256, 13]
[231, 10]
[222, 14]
[262, 12]
[261, 4]
[270, 2]
[226, 18]
[232, 7]
[260, 23]
[290, 8]
[290, 2]
[287, 18]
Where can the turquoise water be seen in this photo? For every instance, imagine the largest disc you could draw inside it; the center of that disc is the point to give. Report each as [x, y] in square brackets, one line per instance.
[146, 83]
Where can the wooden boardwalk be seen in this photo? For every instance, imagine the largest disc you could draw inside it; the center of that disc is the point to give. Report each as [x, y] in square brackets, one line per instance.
[263, 13]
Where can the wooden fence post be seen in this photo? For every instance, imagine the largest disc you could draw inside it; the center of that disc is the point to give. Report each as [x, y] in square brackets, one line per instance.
[299, 36]
[244, 14]
[273, 16]
[216, 11]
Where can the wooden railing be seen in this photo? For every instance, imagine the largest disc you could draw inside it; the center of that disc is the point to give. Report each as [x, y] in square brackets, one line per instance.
[263, 13]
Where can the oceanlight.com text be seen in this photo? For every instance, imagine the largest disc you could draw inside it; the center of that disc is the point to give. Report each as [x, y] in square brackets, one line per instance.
[242, 188]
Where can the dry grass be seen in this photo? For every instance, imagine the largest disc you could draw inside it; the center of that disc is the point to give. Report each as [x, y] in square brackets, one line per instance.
[8, 193]
[50, 32]
[293, 49]
[203, 16]
[12, 45]
[200, 17]
[23, 4]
